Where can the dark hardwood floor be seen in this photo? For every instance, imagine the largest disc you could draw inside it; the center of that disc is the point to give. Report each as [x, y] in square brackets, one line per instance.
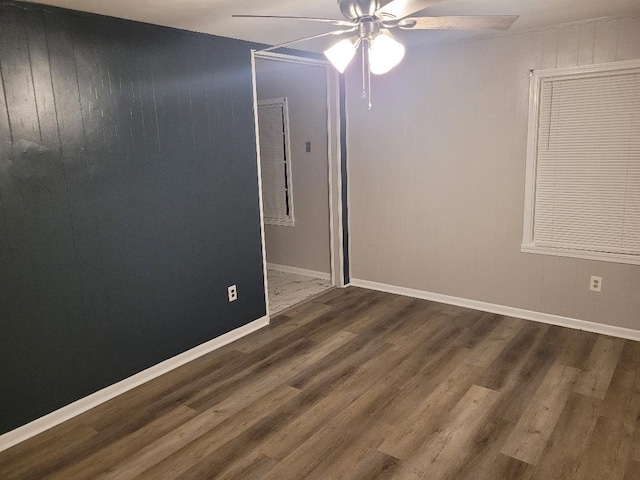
[358, 384]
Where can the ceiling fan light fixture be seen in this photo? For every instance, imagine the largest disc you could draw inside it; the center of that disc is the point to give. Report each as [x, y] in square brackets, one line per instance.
[385, 53]
[341, 54]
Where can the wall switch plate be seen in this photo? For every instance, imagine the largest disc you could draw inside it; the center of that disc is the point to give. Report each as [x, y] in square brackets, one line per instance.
[596, 284]
[232, 293]
[307, 147]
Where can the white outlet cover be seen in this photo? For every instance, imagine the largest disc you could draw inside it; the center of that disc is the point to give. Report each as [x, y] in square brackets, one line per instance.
[232, 293]
[596, 284]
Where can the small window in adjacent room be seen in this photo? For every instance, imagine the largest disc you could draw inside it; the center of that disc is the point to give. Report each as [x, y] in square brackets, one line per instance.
[275, 162]
[583, 163]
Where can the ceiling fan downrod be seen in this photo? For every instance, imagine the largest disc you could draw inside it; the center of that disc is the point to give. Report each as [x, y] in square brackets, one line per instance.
[356, 9]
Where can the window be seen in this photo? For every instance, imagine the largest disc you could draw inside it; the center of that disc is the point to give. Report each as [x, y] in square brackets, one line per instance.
[275, 162]
[583, 163]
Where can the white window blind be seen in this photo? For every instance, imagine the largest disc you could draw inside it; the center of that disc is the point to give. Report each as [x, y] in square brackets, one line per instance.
[584, 184]
[275, 163]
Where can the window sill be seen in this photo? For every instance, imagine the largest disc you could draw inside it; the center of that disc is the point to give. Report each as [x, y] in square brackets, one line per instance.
[586, 255]
[279, 223]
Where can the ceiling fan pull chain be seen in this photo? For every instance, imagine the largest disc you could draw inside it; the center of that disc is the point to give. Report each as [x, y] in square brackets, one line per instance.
[369, 87]
[364, 68]
[366, 72]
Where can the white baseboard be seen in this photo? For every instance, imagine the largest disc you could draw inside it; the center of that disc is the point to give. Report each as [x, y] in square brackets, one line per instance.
[298, 271]
[574, 323]
[74, 409]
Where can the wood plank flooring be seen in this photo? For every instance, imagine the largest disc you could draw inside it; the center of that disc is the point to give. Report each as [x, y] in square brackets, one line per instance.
[357, 384]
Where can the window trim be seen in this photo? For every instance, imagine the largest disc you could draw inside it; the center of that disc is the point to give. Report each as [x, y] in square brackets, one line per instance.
[537, 76]
[289, 222]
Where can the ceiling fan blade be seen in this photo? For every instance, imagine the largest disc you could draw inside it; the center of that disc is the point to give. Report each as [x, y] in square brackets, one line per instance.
[340, 23]
[312, 37]
[478, 22]
[399, 9]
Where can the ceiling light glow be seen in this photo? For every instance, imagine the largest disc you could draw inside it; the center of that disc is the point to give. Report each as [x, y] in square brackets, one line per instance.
[384, 54]
[341, 54]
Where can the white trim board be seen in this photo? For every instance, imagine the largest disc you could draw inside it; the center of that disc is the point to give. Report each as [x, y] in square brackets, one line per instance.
[558, 320]
[74, 409]
[259, 170]
[298, 271]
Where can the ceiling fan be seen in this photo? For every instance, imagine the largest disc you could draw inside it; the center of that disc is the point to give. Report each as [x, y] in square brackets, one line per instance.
[371, 24]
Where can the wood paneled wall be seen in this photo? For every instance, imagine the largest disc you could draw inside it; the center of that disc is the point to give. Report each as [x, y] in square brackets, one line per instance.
[437, 175]
[128, 201]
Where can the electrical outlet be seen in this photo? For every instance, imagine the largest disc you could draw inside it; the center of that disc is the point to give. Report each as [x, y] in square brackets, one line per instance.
[596, 284]
[232, 293]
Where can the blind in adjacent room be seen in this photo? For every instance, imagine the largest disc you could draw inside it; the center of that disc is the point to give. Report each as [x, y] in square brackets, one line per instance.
[276, 181]
[587, 178]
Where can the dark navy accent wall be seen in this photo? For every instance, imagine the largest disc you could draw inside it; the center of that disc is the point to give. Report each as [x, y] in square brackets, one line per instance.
[128, 201]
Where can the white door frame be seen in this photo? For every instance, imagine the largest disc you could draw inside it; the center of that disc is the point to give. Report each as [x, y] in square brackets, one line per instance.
[333, 158]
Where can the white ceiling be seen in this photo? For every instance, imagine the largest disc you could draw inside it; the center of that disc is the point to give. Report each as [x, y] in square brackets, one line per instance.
[214, 16]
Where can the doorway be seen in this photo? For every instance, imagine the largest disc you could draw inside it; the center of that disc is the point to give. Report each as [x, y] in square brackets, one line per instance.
[297, 134]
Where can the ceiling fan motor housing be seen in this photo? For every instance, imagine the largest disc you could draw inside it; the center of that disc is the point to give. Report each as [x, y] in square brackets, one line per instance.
[355, 9]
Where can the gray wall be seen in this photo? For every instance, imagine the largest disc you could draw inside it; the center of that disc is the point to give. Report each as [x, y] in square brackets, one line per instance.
[307, 244]
[128, 201]
[437, 175]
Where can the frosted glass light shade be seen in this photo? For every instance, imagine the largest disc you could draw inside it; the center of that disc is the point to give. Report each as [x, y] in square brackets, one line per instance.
[340, 54]
[384, 54]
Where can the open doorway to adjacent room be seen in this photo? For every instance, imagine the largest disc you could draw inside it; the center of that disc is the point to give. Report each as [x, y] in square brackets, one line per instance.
[298, 143]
